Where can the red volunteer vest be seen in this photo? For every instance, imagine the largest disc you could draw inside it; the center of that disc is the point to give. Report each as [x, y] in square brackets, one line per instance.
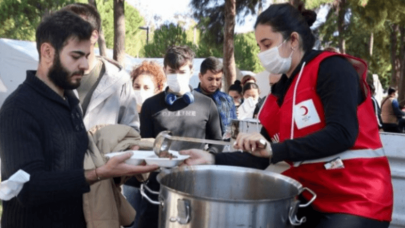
[363, 187]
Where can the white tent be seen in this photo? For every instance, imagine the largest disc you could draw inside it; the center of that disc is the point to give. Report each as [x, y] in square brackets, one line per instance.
[16, 57]
[262, 79]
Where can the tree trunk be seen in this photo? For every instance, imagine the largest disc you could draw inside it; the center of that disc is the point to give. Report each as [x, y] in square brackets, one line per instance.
[119, 32]
[101, 40]
[229, 57]
[340, 23]
[395, 71]
[401, 84]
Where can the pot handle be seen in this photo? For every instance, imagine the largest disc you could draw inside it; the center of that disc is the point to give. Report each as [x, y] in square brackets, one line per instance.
[310, 201]
[142, 190]
[292, 215]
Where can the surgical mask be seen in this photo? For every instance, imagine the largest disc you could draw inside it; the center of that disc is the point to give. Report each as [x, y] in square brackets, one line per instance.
[178, 82]
[142, 95]
[273, 62]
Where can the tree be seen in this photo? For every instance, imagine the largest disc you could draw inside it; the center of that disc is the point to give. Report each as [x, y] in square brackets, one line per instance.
[167, 35]
[135, 38]
[221, 24]
[19, 19]
[119, 31]
[229, 52]
[375, 33]
[207, 45]
[246, 52]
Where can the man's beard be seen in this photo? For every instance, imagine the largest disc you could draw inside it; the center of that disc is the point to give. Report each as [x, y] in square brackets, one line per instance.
[60, 76]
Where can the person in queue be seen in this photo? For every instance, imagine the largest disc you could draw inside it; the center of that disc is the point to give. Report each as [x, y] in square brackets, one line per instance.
[248, 78]
[211, 74]
[42, 132]
[148, 79]
[235, 91]
[391, 113]
[376, 106]
[251, 90]
[251, 98]
[182, 111]
[106, 95]
[318, 118]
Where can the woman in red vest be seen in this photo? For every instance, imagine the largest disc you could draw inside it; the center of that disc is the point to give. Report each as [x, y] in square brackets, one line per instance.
[319, 118]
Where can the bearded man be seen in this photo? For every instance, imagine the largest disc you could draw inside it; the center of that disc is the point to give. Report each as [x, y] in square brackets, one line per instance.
[42, 132]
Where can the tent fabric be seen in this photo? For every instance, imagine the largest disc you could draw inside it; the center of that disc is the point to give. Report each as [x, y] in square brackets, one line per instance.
[16, 57]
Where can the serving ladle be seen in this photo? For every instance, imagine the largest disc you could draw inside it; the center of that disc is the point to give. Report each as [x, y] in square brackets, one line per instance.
[164, 139]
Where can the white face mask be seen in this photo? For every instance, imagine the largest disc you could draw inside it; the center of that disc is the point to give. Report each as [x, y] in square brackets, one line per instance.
[178, 83]
[273, 62]
[142, 95]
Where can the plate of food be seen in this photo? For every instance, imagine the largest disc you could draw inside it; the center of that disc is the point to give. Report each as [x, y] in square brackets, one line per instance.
[174, 159]
[136, 159]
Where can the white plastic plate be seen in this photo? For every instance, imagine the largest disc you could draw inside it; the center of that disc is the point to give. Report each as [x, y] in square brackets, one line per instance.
[166, 162]
[136, 159]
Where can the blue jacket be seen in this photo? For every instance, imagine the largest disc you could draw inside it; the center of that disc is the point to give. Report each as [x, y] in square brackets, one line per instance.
[226, 107]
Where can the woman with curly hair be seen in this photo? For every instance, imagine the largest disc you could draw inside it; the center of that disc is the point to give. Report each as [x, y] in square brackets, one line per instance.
[148, 79]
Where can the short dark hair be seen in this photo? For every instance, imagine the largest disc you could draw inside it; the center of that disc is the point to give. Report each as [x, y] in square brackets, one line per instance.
[286, 19]
[212, 64]
[249, 86]
[391, 90]
[236, 86]
[177, 56]
[89, 13]
[59, 27]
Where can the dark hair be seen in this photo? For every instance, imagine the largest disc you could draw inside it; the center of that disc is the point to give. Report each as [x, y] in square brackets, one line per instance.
[177, 56]
[249, 86]
[391, 90]
[286, 19]
[236, 86]
[87, 11]
[59, 27]
[211, 63]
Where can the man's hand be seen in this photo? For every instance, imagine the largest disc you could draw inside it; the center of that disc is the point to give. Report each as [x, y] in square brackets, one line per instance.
[198, 157]
[134, 147]
[254, 143]
[116, 167]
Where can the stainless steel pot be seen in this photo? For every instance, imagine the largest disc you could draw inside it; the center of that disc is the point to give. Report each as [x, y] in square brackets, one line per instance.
[227, 196]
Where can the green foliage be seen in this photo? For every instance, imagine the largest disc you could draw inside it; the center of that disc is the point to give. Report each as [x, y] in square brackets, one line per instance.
[368, 17]
[19, 19]
[211, 15]
[135, 38]
[167, 35]
[246, 52]
[312, 4]
[209, 44]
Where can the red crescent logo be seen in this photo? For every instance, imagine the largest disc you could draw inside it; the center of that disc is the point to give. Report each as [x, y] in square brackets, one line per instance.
[305, 110]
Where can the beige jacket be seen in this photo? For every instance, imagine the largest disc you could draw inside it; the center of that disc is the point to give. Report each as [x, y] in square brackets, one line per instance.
[104, 206]
[387, 112]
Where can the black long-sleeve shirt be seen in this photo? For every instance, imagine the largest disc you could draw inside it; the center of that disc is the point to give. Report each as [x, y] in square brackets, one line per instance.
[338, 86]
[43, 135]
[199, 119]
